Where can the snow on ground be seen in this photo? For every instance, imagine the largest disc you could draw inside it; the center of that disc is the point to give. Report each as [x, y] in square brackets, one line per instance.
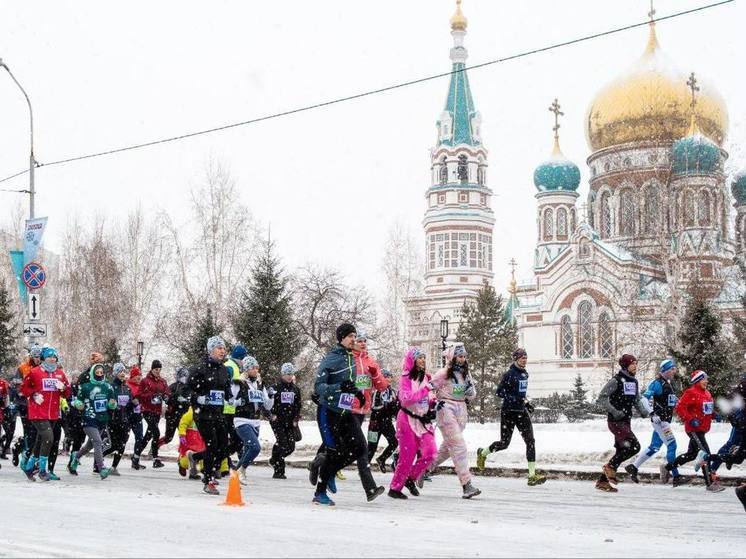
[157, 514]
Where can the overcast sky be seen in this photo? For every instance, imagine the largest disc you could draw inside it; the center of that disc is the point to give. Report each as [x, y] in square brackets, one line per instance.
[105, 74]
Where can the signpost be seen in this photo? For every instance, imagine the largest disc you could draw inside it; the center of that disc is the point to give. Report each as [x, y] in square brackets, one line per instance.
[35, 330]
[34, 306]
[34, 275]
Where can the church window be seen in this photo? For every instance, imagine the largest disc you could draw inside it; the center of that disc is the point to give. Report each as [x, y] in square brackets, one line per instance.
[605, 215]
[443, 171]
[605, 335]
[572, 220]
[463, 169]
[627, 162]
[483, 199]
[463, 197]
[548, 224]
[742, 231]
[585, 249]
[585, 330]
[562, 223]
[481, 175]
[566, 337]
[651, 221]
[704, 208]
[627, 208]
[441, 198]
[688, 209]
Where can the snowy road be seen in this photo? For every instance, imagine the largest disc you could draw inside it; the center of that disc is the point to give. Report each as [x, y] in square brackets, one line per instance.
[157, 513]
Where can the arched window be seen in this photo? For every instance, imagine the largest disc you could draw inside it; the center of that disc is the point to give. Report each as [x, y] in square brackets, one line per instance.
[605, 335]
[605, 215]
[463, 170]
[566, 337]
[562, 223]
[742, 231]
[443, 171]
[651, 222]
[573, 221]
[481, 175]
[585, 330]
[627, 213]
[688, 209]
[704, 216]
[548, 224]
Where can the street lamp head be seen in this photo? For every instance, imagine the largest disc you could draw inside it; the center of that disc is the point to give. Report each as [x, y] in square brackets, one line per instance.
[444, 328]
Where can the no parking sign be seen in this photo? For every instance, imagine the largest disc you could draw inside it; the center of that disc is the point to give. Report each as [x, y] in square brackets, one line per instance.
[34, 275]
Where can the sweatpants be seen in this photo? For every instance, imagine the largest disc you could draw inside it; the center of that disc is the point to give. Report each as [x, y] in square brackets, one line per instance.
[94, 442]
[172, 425]
[509, 420]
[119, 433]
[451, 420]
[345, 444]
[284, 445]
[662, 433]
[625, 442]
[212, 431]
[249, 434]
[153, 433]
[697, 443]
[378, 426]
[412, 447]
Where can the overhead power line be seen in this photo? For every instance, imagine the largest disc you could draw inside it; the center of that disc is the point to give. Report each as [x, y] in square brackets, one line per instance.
[373, 91]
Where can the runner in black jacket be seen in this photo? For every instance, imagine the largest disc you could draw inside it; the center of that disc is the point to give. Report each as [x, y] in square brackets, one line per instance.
[285, 417]
[177, 404]
[384, 408]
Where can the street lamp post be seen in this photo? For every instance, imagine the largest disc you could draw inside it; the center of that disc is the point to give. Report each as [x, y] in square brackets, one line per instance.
[140, 351]
[32, 161]
[444, 336]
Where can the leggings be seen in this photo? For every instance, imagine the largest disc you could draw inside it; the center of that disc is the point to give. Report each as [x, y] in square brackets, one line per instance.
[662, 433]
[29, 434]
[377, 427]
[412, 447]
[44, 437]
[172, 425]
[452, 419]
[284, 446]
[625, 442]
[697, 444]
[215, 436]
[249, 434]
[509, 420]
[153, 433]
[730, 452]
[94, 442]
[9, 428]
[119, 433]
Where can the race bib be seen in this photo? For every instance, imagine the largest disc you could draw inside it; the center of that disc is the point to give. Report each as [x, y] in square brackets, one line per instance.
[99, 406]
[523, 385]
[123, 400]
[459, 390]
[630, 389]
[345, 401]
[672, 399]
[155, 400]
[216, 398]
[708, 407]
[256, 396]
[363, 382]
[373, 436]
[287, 397]
[49, 384]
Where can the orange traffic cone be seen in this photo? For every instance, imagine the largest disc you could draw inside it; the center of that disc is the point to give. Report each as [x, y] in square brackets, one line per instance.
[233, 497]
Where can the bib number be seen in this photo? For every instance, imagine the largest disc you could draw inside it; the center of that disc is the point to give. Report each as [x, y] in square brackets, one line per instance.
[373, 436]
[99, 406]
[630, 389]
[155, 400]
[345, 401]
[255, 396]
[459, 390]
[123, 400]
[672, 399]
[523, 386]
[363, 382]
[707, 408]
[216, 398]
[287, 397]
[49, 384]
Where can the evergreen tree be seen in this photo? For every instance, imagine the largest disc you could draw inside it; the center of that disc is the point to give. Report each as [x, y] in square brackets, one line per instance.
[702, 344]
[193, 346]
[263, 319]
[112, 352]
[8, 327]
[490, 338]
[578, 407]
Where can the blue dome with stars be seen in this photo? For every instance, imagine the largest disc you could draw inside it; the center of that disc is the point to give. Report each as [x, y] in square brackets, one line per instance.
[696, 154]
[738, 187]
[557, 174]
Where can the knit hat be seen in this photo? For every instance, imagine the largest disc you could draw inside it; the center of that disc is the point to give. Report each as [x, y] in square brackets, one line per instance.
[238, 353]
[215, 341]
[626, 360]
[35, 352]
[387, 373]
[344, 330]
[249, 362]
[697, 376]
[518, 353]
[667, 365]
[459, 350]
[287, 369]
[135, 372]
[362, 335]
[49, 352]
[156, 364]
[118, 368]
[182, 373]
[410, 358]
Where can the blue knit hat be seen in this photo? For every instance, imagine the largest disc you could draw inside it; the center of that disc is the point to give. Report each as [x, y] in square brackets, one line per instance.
[249, 362]
[667, 365]
[287, 369]
[239, 352]
[49, 352]
[215, 341]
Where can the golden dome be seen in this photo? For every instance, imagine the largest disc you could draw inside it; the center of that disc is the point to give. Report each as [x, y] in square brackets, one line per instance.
[651, 102]
[458, 21]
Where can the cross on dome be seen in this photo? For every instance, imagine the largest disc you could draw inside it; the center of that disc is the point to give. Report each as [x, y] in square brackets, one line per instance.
[651, 13]
[555, 108]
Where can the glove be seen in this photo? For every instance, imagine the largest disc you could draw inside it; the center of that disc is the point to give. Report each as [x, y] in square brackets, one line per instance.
[38, 398]
[348, 387]
[655, 419]
[371, 370]
[236, 401]
[529, 407]
[271, 392]
[112, 404]
[182, 399]
[60, 385]
[618, 415]
[360, 397]
[695, 423]
[440, 405]
[201, 400]
[135, 402]
[429, 416]
[78, 405]
[182, 440]
[430, 385]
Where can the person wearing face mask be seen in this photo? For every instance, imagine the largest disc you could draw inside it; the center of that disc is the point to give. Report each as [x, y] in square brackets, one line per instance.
[119, 422]
[43, 387]
[284, 420]
[454, 388]
[95, 400]
[133, 383]
[515, 413]
[252, 403]
[177, 404]
[664, 398]
[618, 397]
[153, 391]
[210, 385]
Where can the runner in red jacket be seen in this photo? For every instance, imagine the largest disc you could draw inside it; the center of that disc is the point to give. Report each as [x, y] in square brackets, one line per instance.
[43, 387]
[695, 408]
[368, 376]
[152, 393]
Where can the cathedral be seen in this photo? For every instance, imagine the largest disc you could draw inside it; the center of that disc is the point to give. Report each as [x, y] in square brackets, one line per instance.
[610, 274]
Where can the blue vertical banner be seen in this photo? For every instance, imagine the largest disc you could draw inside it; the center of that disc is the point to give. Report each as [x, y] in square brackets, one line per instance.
[16, 259]
[33, 234]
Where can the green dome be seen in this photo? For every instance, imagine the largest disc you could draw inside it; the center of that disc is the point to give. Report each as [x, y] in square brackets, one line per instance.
[695, 155]
[557, 174]
[738, 187]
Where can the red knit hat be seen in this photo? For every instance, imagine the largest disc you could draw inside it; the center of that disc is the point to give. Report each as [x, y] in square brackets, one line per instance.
[697, 376]
[626, 360]
[135, 372]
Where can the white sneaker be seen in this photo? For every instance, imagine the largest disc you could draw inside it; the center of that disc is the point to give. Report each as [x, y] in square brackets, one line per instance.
[699, 461]
[242, 476]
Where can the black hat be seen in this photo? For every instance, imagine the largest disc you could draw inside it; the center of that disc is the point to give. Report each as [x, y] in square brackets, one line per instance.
[518, 353]
[344, 330]
[156, 365]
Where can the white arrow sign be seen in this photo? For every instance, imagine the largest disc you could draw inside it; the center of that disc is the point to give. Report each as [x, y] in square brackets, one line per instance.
[34, 306]
[35, 330]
